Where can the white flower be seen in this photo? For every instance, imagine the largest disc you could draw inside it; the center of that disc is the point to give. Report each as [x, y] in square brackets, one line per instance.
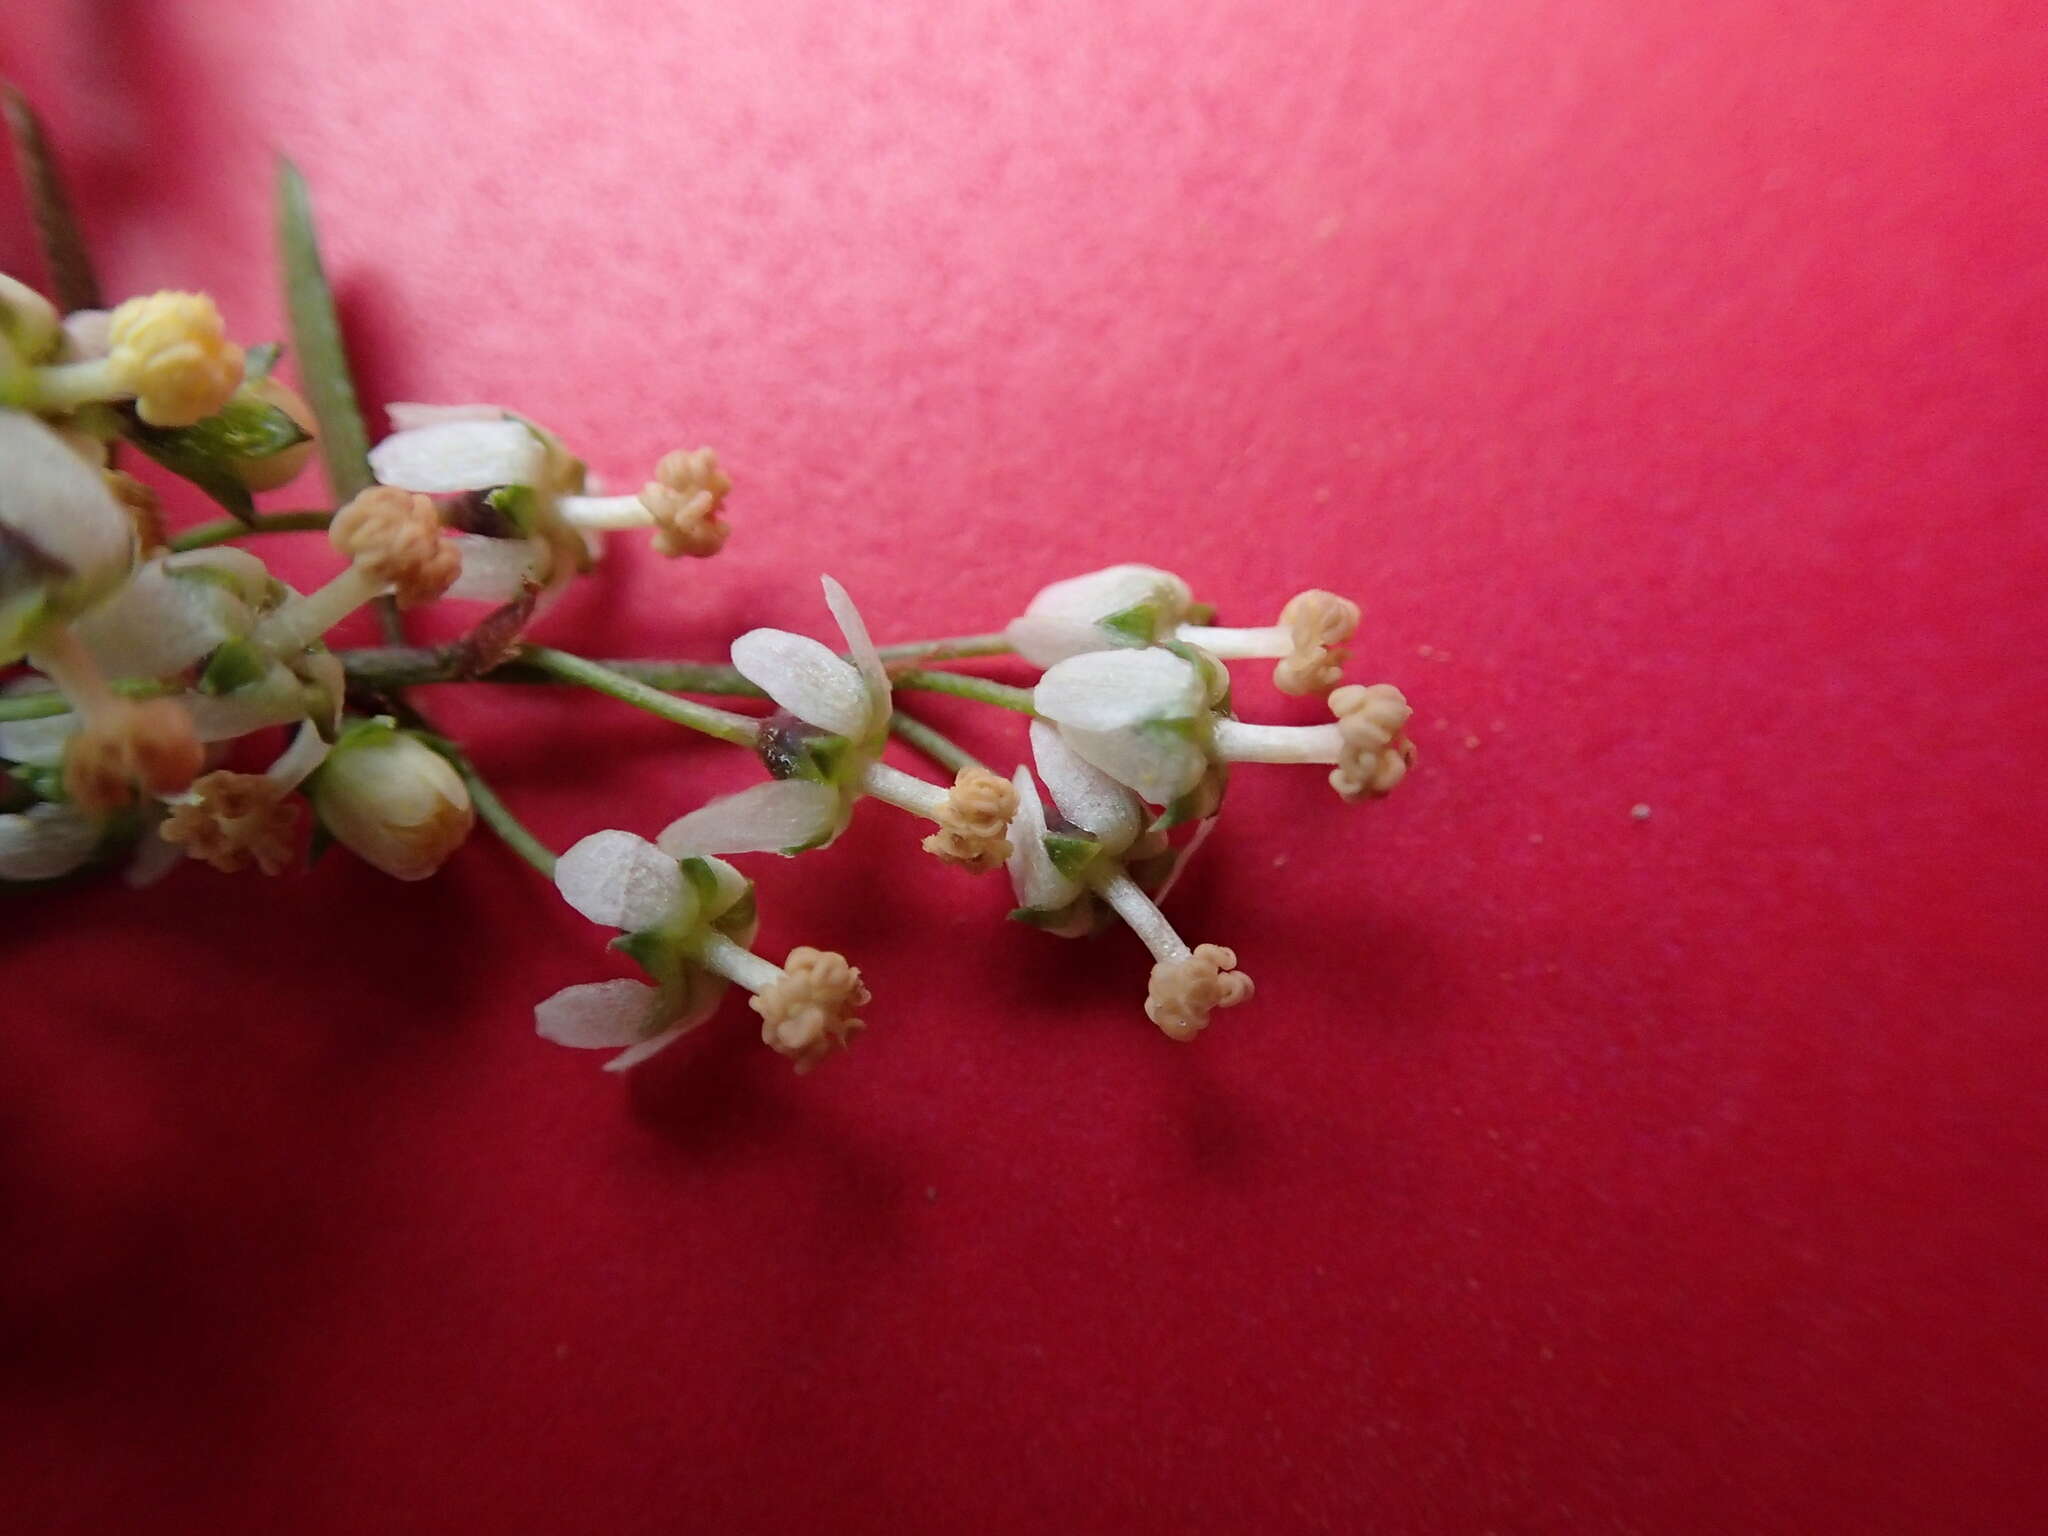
[1139, 605]
[65, 542]
[444, 450]
[1125, 605]
[1141, 716]
[392, 800]
[688, 924]
[1158, 721]
[840, 723]
[1098, 853]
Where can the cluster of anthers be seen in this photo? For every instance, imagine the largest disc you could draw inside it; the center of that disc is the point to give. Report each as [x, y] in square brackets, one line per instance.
[148, 663]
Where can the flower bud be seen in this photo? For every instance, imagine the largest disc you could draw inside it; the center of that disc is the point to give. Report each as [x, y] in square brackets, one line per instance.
[281, 468]
[392, 801]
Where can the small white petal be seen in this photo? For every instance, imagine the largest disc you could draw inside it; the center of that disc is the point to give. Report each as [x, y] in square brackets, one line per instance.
[61, 505]
[152, 860]
[244, 573]
[625, 882]
[1159, 763]
[1107, 690]
[862, 649]
[463, 455]
[276, 698]
[705, 993]
[597, 1015]
[653, 1045]
[766, 818]
[1045, 639]
[405, 415]
[805, 678]
[493, 570]
[1034, 877]
[1182, 855]
[1103, 594]
[45, 841]
[1087, 797]
[160, 623]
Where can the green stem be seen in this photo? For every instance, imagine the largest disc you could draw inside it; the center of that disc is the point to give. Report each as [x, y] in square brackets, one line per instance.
[937, 746]
[40, 706]
[985, 690]
[684, 677]
[496, 814]
[740, 730]
[954, 648]
[512, 832]
[219, 531]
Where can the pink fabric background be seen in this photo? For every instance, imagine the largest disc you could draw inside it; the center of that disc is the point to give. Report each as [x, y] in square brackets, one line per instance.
[1667, 379]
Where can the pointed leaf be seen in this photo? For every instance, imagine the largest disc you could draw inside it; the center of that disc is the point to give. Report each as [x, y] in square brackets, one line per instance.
[316, 340]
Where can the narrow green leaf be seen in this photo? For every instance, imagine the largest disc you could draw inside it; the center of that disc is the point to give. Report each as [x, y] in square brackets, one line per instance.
[57, 230]
[324, 371]
[316, 338]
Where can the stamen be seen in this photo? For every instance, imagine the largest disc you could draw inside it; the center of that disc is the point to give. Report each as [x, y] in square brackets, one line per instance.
[1184, 992]
[807, 1012]
[974, 819]
[1317, 623]
[234, 818]
[1376, 751]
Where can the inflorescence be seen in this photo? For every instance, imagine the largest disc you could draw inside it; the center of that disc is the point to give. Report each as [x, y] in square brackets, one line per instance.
[140, 663]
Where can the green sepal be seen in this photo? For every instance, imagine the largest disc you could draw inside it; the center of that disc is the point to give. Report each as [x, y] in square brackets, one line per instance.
[40, 782]
[738, 921]
[318, 844]
[259, 360]
[1071, 852]
[1203, 801]
[1215, 675]
[207, 452]
[21, 614]
[1136, 625]
[517, 505]
[702, 882]
[234, 664]
[1077, 918]
[1200, 614]
[653, 950]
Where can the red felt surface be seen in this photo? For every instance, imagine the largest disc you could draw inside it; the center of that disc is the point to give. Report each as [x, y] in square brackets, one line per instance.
[1667, 379]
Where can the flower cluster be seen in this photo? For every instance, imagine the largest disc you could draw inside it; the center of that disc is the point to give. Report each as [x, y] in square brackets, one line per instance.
[167, 698]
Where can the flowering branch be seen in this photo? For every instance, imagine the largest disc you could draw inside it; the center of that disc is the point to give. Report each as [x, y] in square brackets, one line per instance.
[132, 657]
